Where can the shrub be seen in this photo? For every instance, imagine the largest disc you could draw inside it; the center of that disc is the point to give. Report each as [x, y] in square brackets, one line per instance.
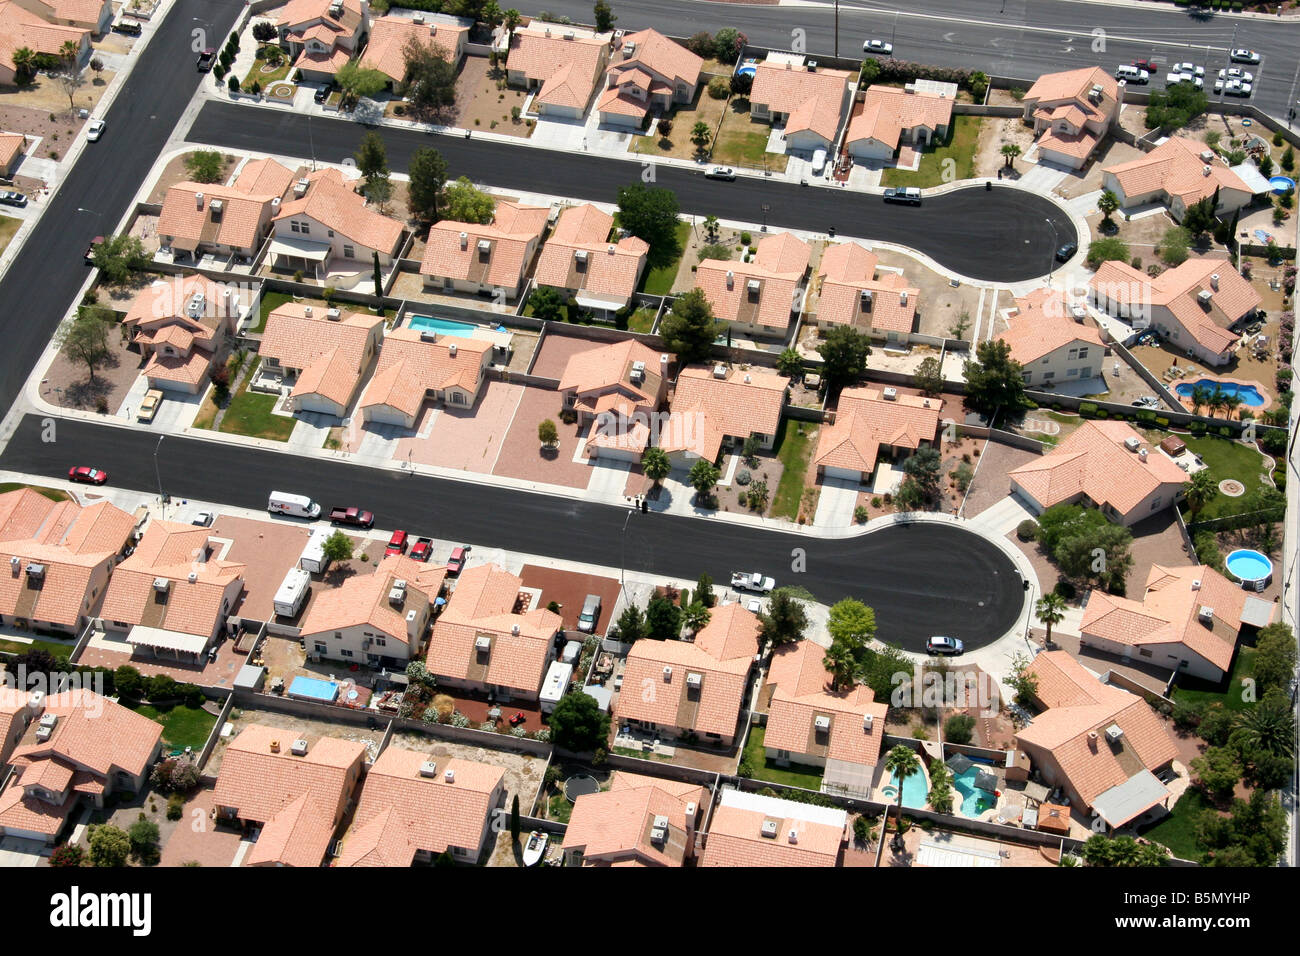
[1027, 530]
[175, 806]
[1066, 589]
[861, 514]
[1087, 409]
[719, 88]
[746, 239]
[959, 728]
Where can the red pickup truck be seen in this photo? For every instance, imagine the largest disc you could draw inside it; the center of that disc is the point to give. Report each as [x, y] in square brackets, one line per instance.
[352, 516]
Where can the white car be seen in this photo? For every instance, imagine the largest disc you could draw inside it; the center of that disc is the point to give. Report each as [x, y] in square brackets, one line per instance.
[1173, 79]
[1237, 74]
[1232, 88]
[203, 519]
[1244, 56]
[819, 162]
[1188, 68]
[94, 129]
[878, 46]
[720, 172]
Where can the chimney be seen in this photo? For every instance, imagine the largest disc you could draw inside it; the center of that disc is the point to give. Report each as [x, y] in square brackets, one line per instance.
[902, 298]
[464, 240]
[731, 279]
[1214, 282]
[198, 200]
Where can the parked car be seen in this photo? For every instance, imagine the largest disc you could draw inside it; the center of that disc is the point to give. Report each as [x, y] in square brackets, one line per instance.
[422, 548]
[131, 28]
[752, 581]
[720, 172]
[1131, 74]
[904, 194]
[11, 198]
[1241, 55]
[456, 561]
[396, 544]
[878, 46]
[87, 475]
[352, 516]
[95, 129]
[1232, 87]
[149, 405]
[205, 59]
[203, 519]
[1236, 73]
[1067, 251]
[944, 645]
[1173, 79]
[321, 94]
[1145, 65]
[818, 162]
[590, 614]
[1187, 67]
[90, 250]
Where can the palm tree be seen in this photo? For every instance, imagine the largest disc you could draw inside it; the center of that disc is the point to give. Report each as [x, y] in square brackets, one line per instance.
[24, 63]
[700, 136]
[1200, 398]
[842, 661]
[901, 763]
[1199, 491]
[656, 465]
[1050, 609]
[512, 18]
[695, 616]
[711, 228]
[1217, 401]
[70, 52]
[1107, 203]
[1268, 726]
[1231, 402]
[1009, 153]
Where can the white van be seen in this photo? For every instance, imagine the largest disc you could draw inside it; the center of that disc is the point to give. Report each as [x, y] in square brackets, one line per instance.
[293, 591]
[296, 506]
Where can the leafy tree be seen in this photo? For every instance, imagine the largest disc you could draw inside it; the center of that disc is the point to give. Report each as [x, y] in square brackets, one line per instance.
[703, 477]
[464, 203]
[929, 376]
[547, 303]
[118, 256]
[205, 166]
[631, 625]
[1200, 217]
[109, 845]
[1050, 609]
[68, 854]
[785, 619]
[1077, 556]
[356, 82]
[900, 763]
[128, 682]
[1218, 770]
[1288, 159]
[1101, 850]
[428, 173]
[704, 590]
[264, 31]
[959, 728]
[337, 547]
[1253, 834]
[923, 467]
[727, 43]
[689, 329]
[789, 363]
[372, 156]
[604, 15]
[656, 465]
[578, 723]
[1275, 657]
[144, 841]
[85, 338]
[1199, 491]
[547, 433]
[650, 213]
[428, 78]
[1173, 108]
[878, 667]
[1022, 683]
[1104, 250]
[1174, 246]
[714, 250]
[994, 380]
[663, 619]
[870, 71]
[1107, 203]
[844, 355]
[742, 84]
[852, 621]
[71, 80]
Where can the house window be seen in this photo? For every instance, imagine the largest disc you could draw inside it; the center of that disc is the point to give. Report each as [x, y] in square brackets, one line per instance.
[1046, 359]
[1072, 373]
[293, 226]
[1083, 353]
[1074, 353]
[321, 647]
[345, 652]
[338, 635]
[783, 755]
[349, 252]
[381, 642]
[1143, 652]
[331, 232]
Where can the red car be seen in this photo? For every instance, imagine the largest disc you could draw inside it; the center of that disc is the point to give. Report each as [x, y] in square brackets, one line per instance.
[87, 475]
[518, 719]
[1146, 65]
[422, 549]
[396, 544]
[456, 561]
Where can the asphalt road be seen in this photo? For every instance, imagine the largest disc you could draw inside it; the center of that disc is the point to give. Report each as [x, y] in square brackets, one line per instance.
[47, 273]
[1000, 235]
[921, 579]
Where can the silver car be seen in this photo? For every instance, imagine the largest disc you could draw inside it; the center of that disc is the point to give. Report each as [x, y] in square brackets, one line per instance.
[590, 614]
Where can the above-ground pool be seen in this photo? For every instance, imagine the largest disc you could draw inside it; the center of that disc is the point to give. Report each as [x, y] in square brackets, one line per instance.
[916, 791]
[748, 68]
[1248, 394]
[1282, 184]
[1249, 567]
[427, 323]
[312, 688]
[974, 801]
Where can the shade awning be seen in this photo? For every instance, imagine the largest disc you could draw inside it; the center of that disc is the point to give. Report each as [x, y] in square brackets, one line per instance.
[959, 763]
[1257, 613]
[588, 301]
[1139, 793]
[156, 637]
[986, 780]
[1256, 181]
[301, 248]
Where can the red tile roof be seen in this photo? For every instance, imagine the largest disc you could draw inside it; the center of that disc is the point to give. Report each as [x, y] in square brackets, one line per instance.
[409, 366]
[1043, 325]
[865, 420]
[813, 99]
[333, 203]
[887, 111]
[1178, 167]
[614, 826]
[453, 248]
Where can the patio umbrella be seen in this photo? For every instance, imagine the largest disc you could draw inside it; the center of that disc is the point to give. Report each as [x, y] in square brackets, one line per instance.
[959, 763]
[986, 780]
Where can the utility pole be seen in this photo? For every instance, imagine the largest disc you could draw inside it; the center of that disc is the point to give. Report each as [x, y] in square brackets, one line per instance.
[837, 29]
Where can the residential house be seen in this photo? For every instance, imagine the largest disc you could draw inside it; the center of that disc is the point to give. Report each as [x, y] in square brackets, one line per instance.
[470, 257]
[201, 219]
[56, 559]
[294, 791]
[1179, 173]
[1053, 341]
[328, 220]
[813, 723]
[1104, 746]
[1189, 619]
[808, 101]
[875, 426]
[182, 325]
[1071, 113]
[378, 619]
[748, 829]
[322, 35]
[585, 264]
[638, 821]
[613, 385]
[325, 351]
[415, 807]
[850, 293]
[416, 367]
[172, 596]
[697, 688]
[13, 148]
[15, 715]
[22, 29]
[389, 36]
[93, 15]
[891, 118]
[561, 63]
[77, 746]
[489, 638]
[759, 297]
[717, 406]
[1196, 306]
[648, 72]
[1104, 465]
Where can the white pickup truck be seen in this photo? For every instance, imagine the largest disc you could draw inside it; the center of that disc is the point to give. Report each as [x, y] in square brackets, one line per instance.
[751, 581]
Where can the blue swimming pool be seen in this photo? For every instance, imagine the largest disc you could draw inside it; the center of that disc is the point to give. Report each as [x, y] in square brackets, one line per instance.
[1248, 394]
[916, 791]
[974, 801]
[428, 323]
[1249, 566]
[312, 688]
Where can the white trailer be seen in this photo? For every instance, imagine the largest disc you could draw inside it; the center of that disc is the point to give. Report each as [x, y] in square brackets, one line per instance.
[556, 683]
[293, 592]
[313, 558]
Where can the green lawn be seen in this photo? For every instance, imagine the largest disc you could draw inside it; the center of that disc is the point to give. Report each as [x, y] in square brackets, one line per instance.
[642, 320]
[742, 142]
[1227, 459]
[558, 808]
[794, 448]
[8, 229]
[182, 726]
[266, 79]
[1178, 830]
[53, 647]
[660, 281]
[1192, 691]
[270, 302]
[251, 414]
[52, 493]
[959, 146]
[795, 775]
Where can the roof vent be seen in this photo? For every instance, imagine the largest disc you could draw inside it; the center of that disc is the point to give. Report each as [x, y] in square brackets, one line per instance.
[663, 359]
[275, 202]
[1114, 733]
[36, 701]
[306, 310]
[1205, 615]
[769, 829]
[198, 200]
[794, 836]
[411, 616]
[514, 630]
[1214, 282]
[428, 769]
[1205, 170]
[15, 562]
[731, 279]
[275, 746]
[902, 298]
[333, 315]
[668, 673]
[299, 748]
[747, 379]
[464, 240]
[192, 577]
[449, 775]
[611, 248]
[1142, 454]
[1196, 585]
[690, 813]
[451, 349]
[162, 585]
[867, 721]
[34, 569]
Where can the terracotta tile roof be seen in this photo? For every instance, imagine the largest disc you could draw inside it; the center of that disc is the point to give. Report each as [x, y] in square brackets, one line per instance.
[1078, 145]
[21, 28]
[1079, 708]
[166, 301]
[650, 696]
[606, 268]
[567, 69]
[190, 219]
[329, 353]
[705, 408]
[264, 177]
[1178, 168]
[363, 599]
[1169, 613]
[659, 56]
[330, 62]
[1178, 289]
[605, 373]
[452, 249]
[298, 800]
[409, 366]
[482, 606]
[736, 838]
[778, 270]
[11, 144]
[32, 814]
[390, 35]
[1093, 461]
[617, 100]
[172, 551]
[1071, 89]
[402, 811]
[613, 827]
[333, 203]
[300, 16]
[846, 271]
[1042, 325]
[92, 734]
[13, 703]
[813, 100]
[77, 11]
[865, 420]
[887, 111]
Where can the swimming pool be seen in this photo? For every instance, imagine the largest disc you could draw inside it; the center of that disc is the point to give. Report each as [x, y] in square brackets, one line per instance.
[1249, 566]
[1248, 394]
[312, 688]
[916, 791]
[428, 323]
[974, 801]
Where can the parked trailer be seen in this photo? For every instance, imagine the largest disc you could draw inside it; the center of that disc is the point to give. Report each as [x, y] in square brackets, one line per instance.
[313, 557]
[293, 592]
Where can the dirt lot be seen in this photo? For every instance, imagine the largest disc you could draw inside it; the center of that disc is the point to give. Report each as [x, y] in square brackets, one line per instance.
[996, 133]
[696, 240]
[704, 109]
[522, 455]
[569, 589]
[56, 129]
[523, 772]
[69, 383]
[45, 97]
[174, 172]
[296, 727]
[479, 102]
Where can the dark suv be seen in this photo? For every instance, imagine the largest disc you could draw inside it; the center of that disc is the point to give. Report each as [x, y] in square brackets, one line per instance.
[205, 59]
[131, 28]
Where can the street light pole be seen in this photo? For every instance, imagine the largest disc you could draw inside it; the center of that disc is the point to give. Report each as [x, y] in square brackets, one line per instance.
[1056, 244]
[622, 568]
[837, 29]
[156, 469]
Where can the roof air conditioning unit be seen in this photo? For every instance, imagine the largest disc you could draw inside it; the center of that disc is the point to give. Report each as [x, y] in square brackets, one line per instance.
[192, 577]
[865, 295]
[890, 394]
[719, 371]
[658, 835]
[1204, 297]
[484, 246]
[822, 723]
[668, 673]
[397, 596]
[629, 49]
[570, 35]
[769, 829]
[867, 721]
[1205, 615]
[299, 748]
[418, 18]
[580, 255]
[49, 720]
[1114, 733]
[636, 376]
[216, 206]
[336, 8]
[333, 315]
[1207, 155]
[794, 836]
[694, 680]
[449, 775]
[35, 569]
[482, 643]
[638, 367]
[753, 285]
[162, 585]
[43, 734]
[812, 66]
[451, 349]
[428, 769]
[300, 187]
[194, 308]
[1132, 443]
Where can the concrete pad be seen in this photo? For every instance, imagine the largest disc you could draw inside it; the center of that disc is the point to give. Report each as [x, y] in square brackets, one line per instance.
[836, 502]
